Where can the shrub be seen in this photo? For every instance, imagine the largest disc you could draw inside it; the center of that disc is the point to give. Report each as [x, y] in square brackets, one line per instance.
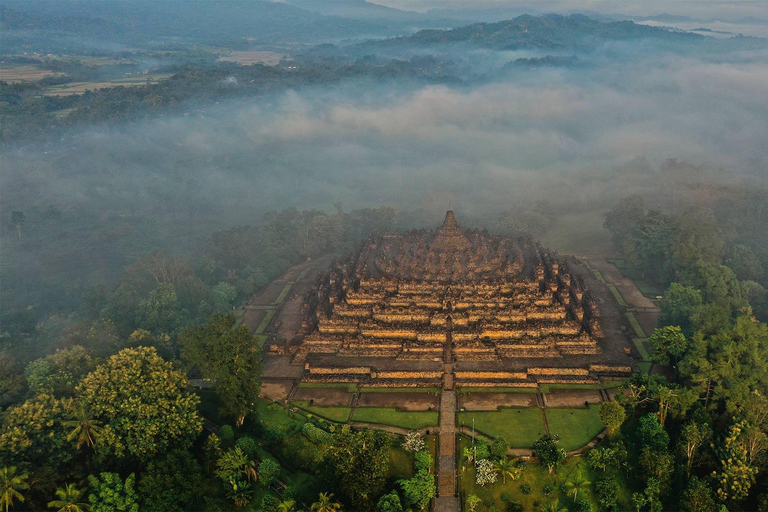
[607, 493]
[525, 489]
[422, 460]
[248, 445]
[226, 436]
[547, 490]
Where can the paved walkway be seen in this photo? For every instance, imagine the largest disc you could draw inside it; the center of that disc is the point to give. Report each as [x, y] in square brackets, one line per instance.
[447, 500]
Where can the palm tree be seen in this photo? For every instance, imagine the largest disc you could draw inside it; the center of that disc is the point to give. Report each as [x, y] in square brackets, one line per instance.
[67, 501]
[553, 506]
[324, 504]
[578, 483]
[286, 506]
[508, 467]
[86, 429]
[10, 485]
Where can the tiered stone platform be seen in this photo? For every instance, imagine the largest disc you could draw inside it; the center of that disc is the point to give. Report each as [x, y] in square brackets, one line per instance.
[505, 310]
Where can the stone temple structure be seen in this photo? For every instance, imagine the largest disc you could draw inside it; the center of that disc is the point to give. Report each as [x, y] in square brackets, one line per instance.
[407, 308]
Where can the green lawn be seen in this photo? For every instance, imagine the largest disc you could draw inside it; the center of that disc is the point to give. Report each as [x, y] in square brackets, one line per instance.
[645, 366]
[635, 325]
[275, 414]
[265, 322]
[464, 390]
[399, 390]
[575, 426]
[537, 477]
[640, 344]
[304, 273]
[391, 416]
[547, 388]
[347, 386]
[617, 295]
[610, 384]
[521, 426]
[337, 414]
[284, 293]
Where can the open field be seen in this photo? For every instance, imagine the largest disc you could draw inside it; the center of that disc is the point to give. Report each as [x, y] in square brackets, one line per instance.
[248, 58]
[575, 426]
[521, 426]
[82, 87]
[391, 416]
[30, 73]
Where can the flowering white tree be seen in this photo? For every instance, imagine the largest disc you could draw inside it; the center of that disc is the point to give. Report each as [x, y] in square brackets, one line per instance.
[413, 442]
[486, 472]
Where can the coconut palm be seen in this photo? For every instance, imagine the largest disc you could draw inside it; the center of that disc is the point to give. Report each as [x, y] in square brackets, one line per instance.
[10, 485]
[286, 506]
[324, 504]
[579, 483]
[67, 501]
[508, 468]
[86, 429]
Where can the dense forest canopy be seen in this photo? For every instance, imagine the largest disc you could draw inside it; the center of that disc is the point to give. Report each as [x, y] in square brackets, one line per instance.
[164, 162]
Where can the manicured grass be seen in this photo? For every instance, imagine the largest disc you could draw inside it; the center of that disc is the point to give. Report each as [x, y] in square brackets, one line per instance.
[399, 390]
[636, 325]
[645, 366]
[284, 293]
[576, 426]
[547, 388]
[348, 387]
[265, 321]
[521, 426]
[276, 415]
[617, 295]
[261, 338]
[610, 384]
[640, 344]
[304, 273]
[465, 390]
[391, 416]
[598, 275]
[337, 414]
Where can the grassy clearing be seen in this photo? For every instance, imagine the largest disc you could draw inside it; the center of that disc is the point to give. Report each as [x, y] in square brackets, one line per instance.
[466, 390]
[265, 321]
[617, 295]
[348, 387]
[547, 388]
[575, 426]
[520, 425]
[399, 390]
[283, 293]
[636, 325]
[391, 416]
[537, 478]
[640, 345]
[337, 414]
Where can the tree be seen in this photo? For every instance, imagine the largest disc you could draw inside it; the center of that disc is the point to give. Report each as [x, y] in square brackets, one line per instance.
[11, 380]
[325, 503]
[286, 506]
[473, 500]
[499, 448]
[679, 306]
[144, 403]
[389, 503]
[11, 485]
[268, 472]
[68, 500]
[85, 428]
[17, 219]
[652, 433]
[612, 415]
[33, 433]
[507, 467]
[692, 437]
[417, 491]
[736, 475]
[697, 497]
[170, 483]
[624, 217]
[413, 442]
[548, 452]
[576, 484]
[235, 464]
[231, 356]
[360, 462]
[669, 345]
[110, 493]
